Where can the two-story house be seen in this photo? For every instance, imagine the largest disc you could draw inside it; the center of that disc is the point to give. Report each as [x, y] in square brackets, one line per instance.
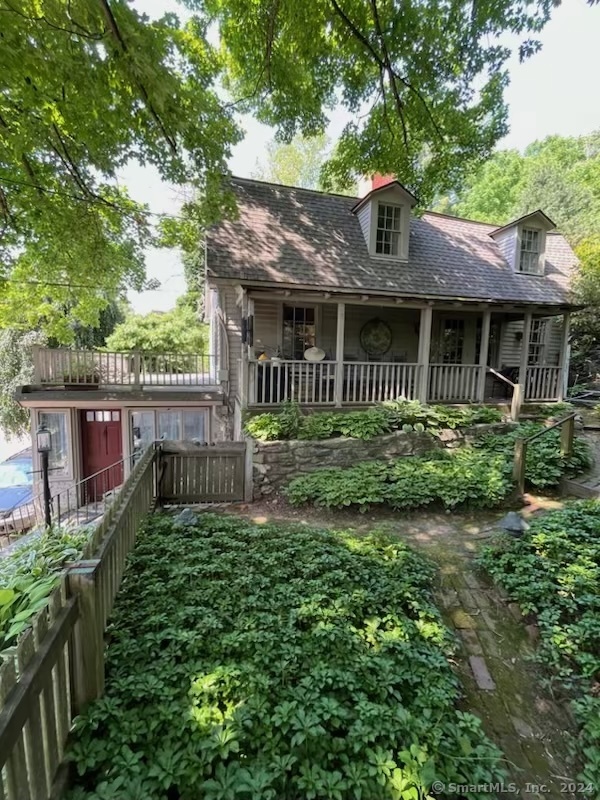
[331, 301]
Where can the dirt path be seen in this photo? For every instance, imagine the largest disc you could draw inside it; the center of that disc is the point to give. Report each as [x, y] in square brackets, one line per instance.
[501, 684]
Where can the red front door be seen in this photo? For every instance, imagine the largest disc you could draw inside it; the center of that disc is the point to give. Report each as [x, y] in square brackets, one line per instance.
[102, 452]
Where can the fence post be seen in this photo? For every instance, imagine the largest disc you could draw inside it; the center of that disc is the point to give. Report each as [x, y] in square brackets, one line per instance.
[567, 435]
[519, 464]
[517, 402]
[137, 369]
[87, 663]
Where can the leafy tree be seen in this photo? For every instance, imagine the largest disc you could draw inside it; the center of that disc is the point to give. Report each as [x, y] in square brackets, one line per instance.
[16, 361]
[295, 163]
[176, 331]
[407, 74]
[16, 370]
[87, 86]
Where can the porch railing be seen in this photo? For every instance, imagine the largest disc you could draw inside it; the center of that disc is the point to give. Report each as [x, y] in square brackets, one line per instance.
[366, 382]
[305, 382]
[372, 382]
[543, 383]
[456, 383]
[64, 367]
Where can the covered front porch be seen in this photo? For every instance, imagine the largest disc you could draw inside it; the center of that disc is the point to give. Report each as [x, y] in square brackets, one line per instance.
[377, 350]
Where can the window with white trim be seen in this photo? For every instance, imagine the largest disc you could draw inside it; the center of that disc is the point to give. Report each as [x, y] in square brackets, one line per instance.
[176, 424]
[58, 458]
[299, 330]
[537, 342]
[452, 340]
[387, 233]
[529, 257]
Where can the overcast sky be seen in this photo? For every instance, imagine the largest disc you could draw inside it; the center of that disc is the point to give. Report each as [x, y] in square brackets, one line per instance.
[555, 92]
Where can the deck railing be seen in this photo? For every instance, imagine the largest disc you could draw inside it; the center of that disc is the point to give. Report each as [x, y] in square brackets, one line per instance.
[454, 383]
[64, 367]
[543, 383]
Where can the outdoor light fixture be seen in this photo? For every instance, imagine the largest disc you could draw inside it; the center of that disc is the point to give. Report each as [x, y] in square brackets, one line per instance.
[44, 448]
[44, 439]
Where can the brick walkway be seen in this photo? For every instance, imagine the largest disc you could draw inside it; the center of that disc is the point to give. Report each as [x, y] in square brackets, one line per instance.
[501, 683]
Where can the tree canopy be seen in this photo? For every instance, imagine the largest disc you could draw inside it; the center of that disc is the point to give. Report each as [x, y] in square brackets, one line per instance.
[295, 163]
[424, 81]
[87, 86]
[175, 331]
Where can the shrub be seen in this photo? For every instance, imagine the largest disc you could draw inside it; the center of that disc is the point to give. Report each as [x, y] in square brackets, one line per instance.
[363, 424]
[452, 478]
[553, 571]
[407, 415]
[276, 662]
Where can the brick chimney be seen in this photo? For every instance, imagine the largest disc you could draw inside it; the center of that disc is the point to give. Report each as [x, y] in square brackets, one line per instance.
[367, 184]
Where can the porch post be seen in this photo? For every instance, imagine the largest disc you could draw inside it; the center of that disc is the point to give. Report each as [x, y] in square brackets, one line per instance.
[339, 355]
[523, 364]
[424, 348]
[483, 354]
[244, 372]
[563, 358]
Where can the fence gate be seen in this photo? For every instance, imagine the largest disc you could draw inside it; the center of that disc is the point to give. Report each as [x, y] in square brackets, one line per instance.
[189, 473]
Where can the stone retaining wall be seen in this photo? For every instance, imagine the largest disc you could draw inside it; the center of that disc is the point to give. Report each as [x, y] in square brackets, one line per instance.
[274, 464]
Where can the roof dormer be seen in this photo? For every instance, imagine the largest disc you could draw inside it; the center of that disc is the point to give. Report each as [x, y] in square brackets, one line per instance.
[384, 216]
[523, 242]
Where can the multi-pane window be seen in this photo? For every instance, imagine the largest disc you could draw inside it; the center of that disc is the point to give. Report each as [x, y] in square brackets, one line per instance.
[58, 459]
[452, 341]
[176, 424]
[529, 260]
[299, 330]
[387, 235]
[537, 341]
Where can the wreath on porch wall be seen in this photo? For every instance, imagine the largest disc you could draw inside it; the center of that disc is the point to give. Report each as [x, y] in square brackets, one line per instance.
[376, 337]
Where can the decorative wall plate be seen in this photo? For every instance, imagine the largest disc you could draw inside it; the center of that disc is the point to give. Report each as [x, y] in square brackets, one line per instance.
[376, 337]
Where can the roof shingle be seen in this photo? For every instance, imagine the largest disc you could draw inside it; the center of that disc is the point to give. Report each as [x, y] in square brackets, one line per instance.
[297, 236]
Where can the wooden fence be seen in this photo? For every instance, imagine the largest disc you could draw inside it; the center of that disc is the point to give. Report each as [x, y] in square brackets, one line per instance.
[57, 666]
[213, 473]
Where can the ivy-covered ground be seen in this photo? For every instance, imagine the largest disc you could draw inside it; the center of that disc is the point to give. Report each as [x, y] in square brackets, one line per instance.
[553, 572]
[277, 661]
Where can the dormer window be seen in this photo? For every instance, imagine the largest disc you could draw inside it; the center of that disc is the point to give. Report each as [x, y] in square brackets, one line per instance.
[384, 217]
[387, 235]
[529, 256]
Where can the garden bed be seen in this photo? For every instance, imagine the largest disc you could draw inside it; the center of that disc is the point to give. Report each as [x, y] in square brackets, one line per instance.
[553, 573]
[273, 662]
[476, 476]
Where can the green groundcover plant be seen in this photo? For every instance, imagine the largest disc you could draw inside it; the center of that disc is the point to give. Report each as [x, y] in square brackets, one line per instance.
[476, 477]
[276, 662]
[28, 576]
[408, 415]
[553, 572]
[451, 478]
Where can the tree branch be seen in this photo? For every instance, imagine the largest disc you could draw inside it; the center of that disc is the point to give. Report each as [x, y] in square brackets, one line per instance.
[114, 29]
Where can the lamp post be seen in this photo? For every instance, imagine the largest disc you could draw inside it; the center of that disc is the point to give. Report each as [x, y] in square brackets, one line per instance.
[44, 448]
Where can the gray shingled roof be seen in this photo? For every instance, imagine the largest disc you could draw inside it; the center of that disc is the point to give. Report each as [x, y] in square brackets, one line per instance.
[296, 236]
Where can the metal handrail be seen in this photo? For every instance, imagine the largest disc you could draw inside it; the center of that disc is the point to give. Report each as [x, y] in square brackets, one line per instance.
[68, 504]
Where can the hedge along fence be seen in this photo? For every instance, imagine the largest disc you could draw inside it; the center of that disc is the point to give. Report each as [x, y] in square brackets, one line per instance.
[57, 666]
